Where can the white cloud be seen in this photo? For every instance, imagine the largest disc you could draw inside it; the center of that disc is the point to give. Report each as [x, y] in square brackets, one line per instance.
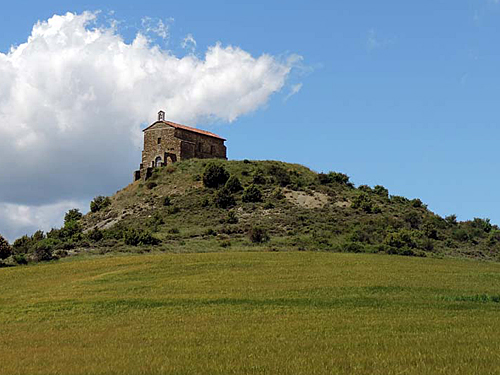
[73, 98]
[189, 43]
[293, 90]
[16, 219]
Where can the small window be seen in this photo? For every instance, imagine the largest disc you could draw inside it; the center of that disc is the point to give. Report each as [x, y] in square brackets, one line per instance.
[159, 141]
[199, 147]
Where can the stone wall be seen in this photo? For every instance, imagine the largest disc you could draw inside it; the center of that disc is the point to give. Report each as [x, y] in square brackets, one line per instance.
[205, 147]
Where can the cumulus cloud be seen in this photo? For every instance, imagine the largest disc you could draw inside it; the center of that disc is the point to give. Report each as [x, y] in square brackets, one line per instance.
[189, 43]
[74, 96]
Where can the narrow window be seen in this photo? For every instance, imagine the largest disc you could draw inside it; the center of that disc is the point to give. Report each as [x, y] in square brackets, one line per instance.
[159, 141]
[212, 150]
[199, 147]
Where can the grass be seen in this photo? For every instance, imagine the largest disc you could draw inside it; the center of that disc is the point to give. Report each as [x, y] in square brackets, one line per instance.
[250, 313]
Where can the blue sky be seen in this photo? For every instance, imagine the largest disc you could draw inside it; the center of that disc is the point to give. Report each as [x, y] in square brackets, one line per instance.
[402, 94]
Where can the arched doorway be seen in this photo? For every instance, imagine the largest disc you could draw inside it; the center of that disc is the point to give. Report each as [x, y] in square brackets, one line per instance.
[158, 162]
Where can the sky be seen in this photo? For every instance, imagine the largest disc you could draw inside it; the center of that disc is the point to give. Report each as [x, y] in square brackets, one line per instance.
[401, 94]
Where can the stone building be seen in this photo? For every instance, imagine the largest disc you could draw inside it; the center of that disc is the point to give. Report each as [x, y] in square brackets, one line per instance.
[166, 142]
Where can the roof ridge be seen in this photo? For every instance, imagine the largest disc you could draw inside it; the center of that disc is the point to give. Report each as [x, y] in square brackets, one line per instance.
[185, 127]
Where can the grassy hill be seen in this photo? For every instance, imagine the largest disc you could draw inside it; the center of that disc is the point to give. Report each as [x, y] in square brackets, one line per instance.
[265, 205]
[250, 312]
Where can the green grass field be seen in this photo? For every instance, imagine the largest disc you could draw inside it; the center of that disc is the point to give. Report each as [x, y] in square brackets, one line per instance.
[267, 312]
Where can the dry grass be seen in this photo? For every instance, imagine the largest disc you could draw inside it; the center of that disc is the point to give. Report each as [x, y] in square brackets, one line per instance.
[269, 313]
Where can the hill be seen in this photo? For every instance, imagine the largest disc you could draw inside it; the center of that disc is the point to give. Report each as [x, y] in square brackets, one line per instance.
[250, 312]
[203, 205]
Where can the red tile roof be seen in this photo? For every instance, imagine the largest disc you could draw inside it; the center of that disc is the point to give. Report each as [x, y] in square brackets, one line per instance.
[184, 127]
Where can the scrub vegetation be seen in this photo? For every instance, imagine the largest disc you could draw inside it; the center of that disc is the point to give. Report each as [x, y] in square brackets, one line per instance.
[206, 206]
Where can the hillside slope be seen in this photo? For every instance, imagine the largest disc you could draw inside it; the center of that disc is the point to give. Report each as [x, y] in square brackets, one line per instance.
[298, 209]
[252, 205]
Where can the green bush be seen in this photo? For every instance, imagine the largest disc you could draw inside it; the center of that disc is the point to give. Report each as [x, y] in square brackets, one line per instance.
[413, 219]
[95, 235]
[73, 215]
[224, 199]
[167, 201]
[382, 191]
[451, 219]
[363, 201]
[334, 177]
[252, 194]
[99, 203]
[280, 174]
[232, 218]
[482, 224]
[417, 203]
[5, 248]
[258, 235]
[215, 175]
[42, 251]
[259, 177]
[233, 184]
[136, 237]
[151, 185]
[402, 239]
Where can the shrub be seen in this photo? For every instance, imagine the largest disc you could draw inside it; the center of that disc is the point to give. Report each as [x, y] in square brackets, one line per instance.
[460, 235]
[232, 218]
[167, 201]
[404, 238]
[252, 194]
[73, 215]
[334, 177]
[99, 203]
[268, 206]
[280, 174]
[42, 251]
[417, 203]
[95, 235]
[365, 188]
[482, 224]
[136, 237]
[258, 235]
[277, 194]
[225, 243]
[233, 184]
[210, 232]
[151, 185]
[224, 199]
[5, 249]
[451, 219]
[215, 175]
[259, 178]
[353, 247]
[413, 219]
[172, 210]
[382, 191]
[363, 202]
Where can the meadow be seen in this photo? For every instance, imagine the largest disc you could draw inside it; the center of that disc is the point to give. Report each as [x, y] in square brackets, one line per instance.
[251, 313]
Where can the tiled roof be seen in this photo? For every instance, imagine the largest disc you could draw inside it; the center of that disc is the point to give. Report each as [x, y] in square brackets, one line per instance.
[184, 127]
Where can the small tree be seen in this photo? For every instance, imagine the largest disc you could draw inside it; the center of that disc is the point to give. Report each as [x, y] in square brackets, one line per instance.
[252, 194]
[215, 175]
[99, 203]
[5, 249]
[72, 215]
[234, 184]
[224, 199]
[258, 235]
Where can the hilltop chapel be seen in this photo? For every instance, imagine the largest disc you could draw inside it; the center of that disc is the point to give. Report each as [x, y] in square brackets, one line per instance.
[166, 142]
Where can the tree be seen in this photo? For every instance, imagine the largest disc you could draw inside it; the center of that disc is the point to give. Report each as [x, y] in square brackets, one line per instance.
[215, 175]
[5, 249]
[252, 194]
[99, 203]
[72, 215]
[233, 184]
